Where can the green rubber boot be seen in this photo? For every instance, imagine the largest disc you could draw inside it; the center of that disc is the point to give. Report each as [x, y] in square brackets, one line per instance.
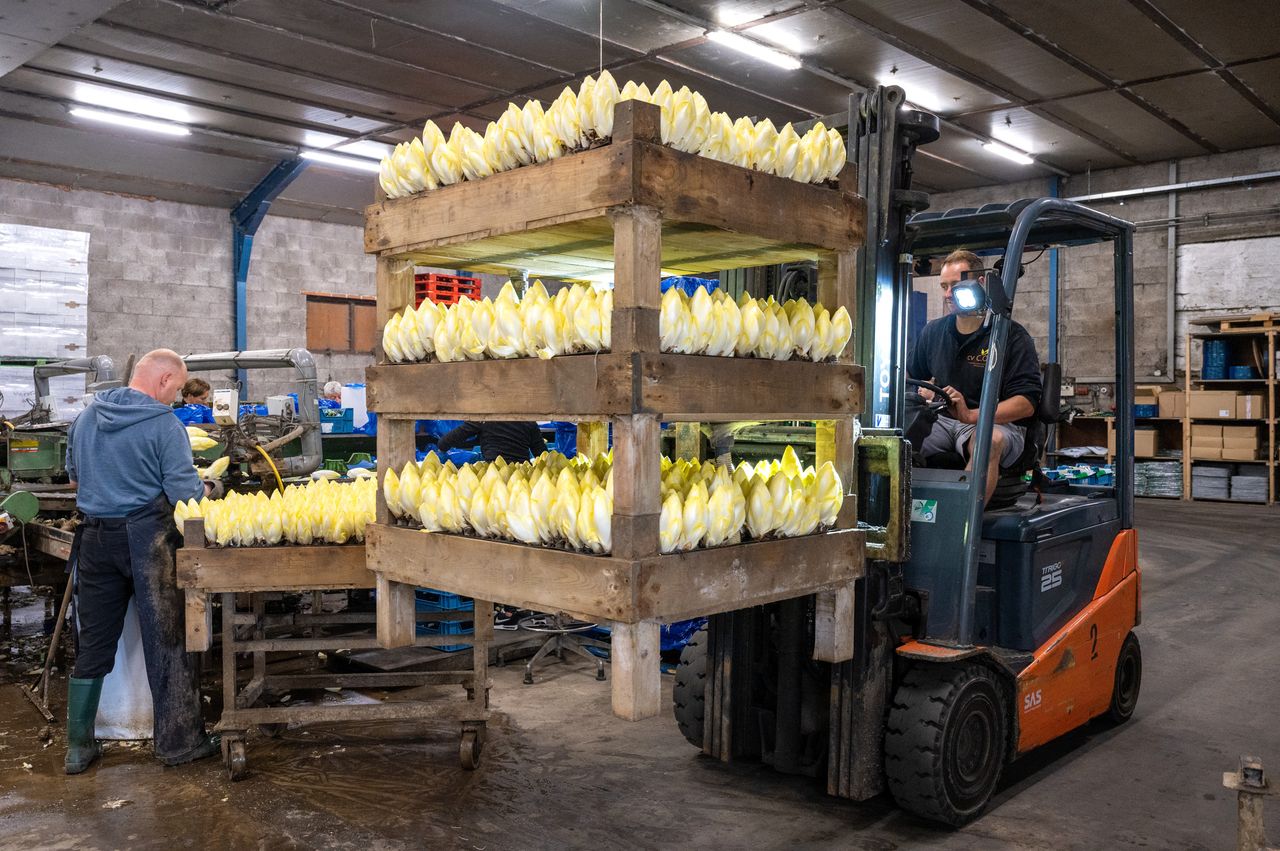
[82, 709]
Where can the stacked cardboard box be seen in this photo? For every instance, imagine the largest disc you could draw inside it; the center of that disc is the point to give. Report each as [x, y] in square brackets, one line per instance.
[1206, 442]
[1239, 443]
[1213, 404]
[1146, 443]
[1172, 403]
[1249, 406]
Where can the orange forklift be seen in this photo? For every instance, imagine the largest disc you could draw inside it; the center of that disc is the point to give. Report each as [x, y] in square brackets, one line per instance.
[982, 629]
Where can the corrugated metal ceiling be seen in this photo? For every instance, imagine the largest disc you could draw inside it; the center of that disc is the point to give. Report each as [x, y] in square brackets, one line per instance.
[1079, 84]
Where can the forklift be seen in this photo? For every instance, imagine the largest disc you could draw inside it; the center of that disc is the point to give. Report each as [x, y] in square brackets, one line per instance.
[981, 630]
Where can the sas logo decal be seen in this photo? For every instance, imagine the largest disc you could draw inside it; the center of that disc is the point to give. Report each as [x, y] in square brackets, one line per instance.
[1050, 576]
[1032, 700]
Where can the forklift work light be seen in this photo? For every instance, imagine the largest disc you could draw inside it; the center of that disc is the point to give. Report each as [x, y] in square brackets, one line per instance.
[969, 297]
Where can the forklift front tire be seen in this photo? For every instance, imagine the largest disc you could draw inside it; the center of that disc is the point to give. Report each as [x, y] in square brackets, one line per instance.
[1128, 681]
[946, 741]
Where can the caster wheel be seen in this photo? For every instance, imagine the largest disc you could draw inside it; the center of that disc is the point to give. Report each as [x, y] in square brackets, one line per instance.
[528, 678]
[271, 731]
[600, 673]
[234, 758]
[469, 749]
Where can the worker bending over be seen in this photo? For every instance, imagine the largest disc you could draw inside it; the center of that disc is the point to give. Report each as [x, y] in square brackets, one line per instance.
[130, 459]
[510, 441]
[952, 352]
[195, 391]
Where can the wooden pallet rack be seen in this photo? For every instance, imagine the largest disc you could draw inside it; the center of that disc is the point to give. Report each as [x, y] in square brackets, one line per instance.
[1260, 334]
[635, 209]
[254, 572]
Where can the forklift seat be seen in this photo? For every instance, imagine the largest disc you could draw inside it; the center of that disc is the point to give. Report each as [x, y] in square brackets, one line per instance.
[1012, 483]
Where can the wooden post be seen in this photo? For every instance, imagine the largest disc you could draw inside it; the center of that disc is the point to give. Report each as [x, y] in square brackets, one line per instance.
[483, 618]
[637, 479]
[593, 439]
[199, 620]
[688, 441]
[637, 677]
[395, 607]
[833, 625]
[395, 292]
[637, 270]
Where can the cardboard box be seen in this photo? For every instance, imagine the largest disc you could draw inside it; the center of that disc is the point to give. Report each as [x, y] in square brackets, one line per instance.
[1111, 441]
[1201, 453]
[1206, 442]
[1249, 407]
[1198, 430]
[1173, 403]
[1239, 454]
[1146, 396]
[1213, 404]
[1146, 442]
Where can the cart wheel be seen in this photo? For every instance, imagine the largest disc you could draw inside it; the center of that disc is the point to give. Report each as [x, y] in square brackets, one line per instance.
[271, 731]
[469, 749]
[234, 758]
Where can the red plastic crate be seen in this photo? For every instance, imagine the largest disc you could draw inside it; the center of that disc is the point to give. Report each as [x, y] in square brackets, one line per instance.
[444, 289]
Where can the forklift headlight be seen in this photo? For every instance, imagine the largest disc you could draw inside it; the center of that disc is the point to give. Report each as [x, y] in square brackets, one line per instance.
[969, 297]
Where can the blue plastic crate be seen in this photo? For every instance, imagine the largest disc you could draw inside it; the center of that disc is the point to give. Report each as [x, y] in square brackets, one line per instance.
[429, 600]
[336, 421]
[1144, 411]
[1214, 367]
[448, 628]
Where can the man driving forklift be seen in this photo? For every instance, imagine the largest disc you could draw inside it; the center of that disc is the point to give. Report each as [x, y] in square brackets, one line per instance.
[952, 352]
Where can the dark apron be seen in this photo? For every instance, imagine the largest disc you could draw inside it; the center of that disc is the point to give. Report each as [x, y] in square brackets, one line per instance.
[117, 558]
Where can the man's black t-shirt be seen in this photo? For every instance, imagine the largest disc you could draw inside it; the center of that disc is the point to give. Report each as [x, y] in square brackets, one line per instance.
[948, 358]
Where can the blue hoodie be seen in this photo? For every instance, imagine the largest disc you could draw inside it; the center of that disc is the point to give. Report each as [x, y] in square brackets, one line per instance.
[124, 450]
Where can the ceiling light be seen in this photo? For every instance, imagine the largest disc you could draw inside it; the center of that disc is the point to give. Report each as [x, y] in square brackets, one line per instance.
[357, 163]
[131, 121]
[754, 49]
[1008, 153]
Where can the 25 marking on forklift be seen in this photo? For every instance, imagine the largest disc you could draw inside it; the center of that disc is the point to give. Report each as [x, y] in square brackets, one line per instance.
[1050, 576]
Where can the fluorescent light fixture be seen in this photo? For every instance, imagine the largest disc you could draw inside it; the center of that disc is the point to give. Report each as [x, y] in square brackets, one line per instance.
[754, 49]
[131, 121]
[1008, 153]
[357, 163]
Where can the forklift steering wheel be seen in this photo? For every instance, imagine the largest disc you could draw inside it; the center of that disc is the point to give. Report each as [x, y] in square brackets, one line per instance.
[940, 402]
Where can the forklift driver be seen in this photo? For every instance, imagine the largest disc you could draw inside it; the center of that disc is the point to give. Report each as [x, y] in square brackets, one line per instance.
[952, 352]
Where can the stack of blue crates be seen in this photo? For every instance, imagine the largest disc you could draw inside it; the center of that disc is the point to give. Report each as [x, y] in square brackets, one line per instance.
[427, 600]
[1214, 367]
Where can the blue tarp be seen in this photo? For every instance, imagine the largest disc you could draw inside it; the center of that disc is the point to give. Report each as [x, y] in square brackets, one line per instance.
[689, 284]
[194, 414]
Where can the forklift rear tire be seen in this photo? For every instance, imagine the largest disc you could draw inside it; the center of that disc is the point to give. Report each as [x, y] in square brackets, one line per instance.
[946, 741]
[689, 694]
[1128, 682]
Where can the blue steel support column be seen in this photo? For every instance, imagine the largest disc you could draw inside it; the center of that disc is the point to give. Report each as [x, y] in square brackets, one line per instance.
[1055, 189]
[245, 219]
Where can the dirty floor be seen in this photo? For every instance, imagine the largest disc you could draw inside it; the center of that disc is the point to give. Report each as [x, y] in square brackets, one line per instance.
[560, 772]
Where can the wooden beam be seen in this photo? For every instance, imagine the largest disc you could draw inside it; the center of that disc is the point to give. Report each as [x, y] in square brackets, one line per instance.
[396, 614]
[637, 477]
[833, 624]
[637, 672]
[290, 568]
[396, 447]
[837, 287]
[199, 621]
[637, 269]
[395, 288]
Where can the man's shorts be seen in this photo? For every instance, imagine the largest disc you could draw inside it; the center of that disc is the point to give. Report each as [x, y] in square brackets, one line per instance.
[950, 435]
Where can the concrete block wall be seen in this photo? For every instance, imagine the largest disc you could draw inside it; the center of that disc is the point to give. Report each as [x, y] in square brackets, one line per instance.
[1086, 331]
[160, 276]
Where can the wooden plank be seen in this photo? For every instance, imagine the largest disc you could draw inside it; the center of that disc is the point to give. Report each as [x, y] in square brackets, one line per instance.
[837, 287]
[601, 588]
[637, 675]
[545, 580]
[522, 389]
[833, 624]
[395, 288]
[637, 258]
[395, 608]
[593, 438]
[637, 477]
[396, 447]
[581, 186]
[710, 389]
[199, 621]
[291, 568]
[592, 387]
[703, 582]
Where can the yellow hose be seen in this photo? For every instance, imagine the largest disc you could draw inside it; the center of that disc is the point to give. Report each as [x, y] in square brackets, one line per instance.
[279, 482]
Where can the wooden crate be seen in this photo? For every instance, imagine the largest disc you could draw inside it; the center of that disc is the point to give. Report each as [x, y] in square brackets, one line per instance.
[636, 209]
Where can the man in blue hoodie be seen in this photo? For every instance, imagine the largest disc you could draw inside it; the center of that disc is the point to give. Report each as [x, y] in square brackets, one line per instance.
[131, 461]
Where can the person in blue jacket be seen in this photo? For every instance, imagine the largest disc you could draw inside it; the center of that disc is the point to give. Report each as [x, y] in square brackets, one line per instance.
[130, 460]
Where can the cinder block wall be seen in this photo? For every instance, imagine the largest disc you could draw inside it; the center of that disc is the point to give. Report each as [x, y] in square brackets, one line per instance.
[160, 276]
[1086, 332]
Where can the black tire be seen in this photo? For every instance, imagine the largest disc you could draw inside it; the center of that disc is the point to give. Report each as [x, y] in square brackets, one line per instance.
[946, 741]
[689, 694]
[1128, 681]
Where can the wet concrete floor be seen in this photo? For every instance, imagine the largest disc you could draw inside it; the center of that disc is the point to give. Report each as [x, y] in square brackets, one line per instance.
[560, 772]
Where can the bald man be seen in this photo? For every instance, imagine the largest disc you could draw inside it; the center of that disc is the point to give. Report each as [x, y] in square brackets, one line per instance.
[131, 461]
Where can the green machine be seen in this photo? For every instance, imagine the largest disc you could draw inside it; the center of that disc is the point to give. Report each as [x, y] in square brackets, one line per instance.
[33, 446]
